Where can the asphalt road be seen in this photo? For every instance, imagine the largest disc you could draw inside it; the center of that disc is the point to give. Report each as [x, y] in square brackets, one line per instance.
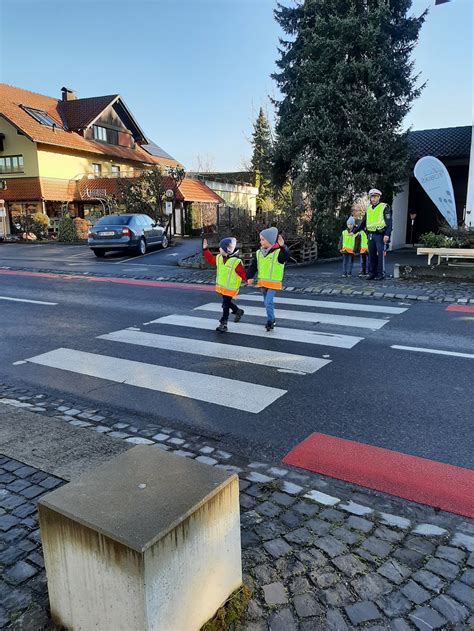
[414, 402]
[71, 257]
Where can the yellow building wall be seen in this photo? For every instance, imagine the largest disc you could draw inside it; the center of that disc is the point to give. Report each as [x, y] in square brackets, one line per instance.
[67, 165]
[239, 200]
[16, 145]
[236, 195]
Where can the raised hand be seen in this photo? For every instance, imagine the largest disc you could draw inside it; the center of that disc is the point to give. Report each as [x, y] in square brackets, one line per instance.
[204, 244]
[280, 240]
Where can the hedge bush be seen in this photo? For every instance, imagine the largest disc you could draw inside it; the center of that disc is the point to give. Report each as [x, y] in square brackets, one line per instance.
[460, 239]
[81, 227]
[39, 224]
[66, 230]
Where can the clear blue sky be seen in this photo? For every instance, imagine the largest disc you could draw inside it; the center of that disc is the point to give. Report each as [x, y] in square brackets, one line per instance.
[195, 72]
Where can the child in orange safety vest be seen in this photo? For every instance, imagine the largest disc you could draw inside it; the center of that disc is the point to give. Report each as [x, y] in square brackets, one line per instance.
[363, 251]
[347, 245]
[230, 273]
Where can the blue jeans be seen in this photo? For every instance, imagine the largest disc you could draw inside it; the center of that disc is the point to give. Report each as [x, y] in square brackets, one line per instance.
[268, 296]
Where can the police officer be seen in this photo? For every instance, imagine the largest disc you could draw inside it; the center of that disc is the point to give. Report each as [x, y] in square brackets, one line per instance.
[378, 224]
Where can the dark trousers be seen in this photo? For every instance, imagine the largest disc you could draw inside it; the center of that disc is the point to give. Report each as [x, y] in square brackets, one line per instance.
[347, 262]
[376, 252]
[228, 305]
[363, 263]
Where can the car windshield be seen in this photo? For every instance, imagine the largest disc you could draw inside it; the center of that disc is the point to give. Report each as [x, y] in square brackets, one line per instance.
[114, 220]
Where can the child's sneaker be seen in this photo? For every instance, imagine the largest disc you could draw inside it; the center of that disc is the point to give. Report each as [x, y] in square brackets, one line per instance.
[238, 315]
[222, 328]
[269, 326]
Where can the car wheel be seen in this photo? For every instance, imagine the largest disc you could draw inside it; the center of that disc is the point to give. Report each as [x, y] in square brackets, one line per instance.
[99, 253]
[164, 242]
[141, 247]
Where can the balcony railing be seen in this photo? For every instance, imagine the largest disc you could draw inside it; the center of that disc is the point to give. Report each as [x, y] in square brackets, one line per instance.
[6, 170]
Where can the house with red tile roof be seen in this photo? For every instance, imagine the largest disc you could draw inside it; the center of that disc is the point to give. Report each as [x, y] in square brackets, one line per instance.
[65, 154]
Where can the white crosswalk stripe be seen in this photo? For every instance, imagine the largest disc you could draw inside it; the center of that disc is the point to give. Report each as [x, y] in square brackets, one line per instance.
[325, 304]
[308, 316]
[240, 395]
[233, 393]
[256, 330]
[258, 356]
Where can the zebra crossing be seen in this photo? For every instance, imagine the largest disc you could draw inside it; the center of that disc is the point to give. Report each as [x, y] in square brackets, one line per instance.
[297, 317]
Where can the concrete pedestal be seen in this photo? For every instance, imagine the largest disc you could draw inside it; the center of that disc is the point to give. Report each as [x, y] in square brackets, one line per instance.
[147, 541]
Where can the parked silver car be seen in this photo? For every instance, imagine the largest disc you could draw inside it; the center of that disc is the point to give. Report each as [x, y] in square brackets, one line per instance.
[126, 232]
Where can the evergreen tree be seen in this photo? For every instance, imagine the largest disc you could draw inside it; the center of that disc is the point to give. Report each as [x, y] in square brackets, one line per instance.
[261, 160]
[347, 81]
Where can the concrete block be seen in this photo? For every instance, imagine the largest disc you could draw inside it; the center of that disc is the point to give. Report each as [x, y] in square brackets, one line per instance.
[147, 541]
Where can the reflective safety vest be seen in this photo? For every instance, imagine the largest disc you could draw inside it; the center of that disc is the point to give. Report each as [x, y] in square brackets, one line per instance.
[227, 279]
[364, 246]
[374, 218]
[269, 270]
[348, 241]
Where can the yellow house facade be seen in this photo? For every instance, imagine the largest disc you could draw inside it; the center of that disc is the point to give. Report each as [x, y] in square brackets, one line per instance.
[56, 154]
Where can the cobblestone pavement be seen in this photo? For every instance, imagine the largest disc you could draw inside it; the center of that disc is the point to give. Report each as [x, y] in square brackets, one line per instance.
[308, 280]
[318, 553]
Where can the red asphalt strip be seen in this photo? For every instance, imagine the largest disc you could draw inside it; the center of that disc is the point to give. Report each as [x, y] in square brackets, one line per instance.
[111, 279]
[462, 308]
[429, 482]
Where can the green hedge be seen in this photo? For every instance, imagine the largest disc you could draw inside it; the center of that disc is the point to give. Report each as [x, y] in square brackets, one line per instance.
[460, 240]
[67, 230]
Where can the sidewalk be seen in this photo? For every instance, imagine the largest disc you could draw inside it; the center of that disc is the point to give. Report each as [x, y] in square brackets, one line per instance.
[318, 553]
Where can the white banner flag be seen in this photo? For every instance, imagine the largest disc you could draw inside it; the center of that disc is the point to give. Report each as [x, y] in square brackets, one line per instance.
[436, 181]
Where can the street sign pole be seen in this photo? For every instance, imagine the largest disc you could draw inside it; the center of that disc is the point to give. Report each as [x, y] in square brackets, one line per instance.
[3, 216]
[169, 210]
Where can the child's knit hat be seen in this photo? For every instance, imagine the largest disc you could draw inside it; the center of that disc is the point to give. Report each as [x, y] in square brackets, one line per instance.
[270, 234]
[228, 245]
[351, 221]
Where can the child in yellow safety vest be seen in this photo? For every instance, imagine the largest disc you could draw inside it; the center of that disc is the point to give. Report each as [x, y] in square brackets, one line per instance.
[347, 246]
[229, 275]
[363, 250]
[269, 265]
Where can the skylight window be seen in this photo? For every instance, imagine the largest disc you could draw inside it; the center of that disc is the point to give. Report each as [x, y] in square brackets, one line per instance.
[41, 117]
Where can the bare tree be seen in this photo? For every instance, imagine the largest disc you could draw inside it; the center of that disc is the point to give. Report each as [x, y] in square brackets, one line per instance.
[142, 194]
[204, 163]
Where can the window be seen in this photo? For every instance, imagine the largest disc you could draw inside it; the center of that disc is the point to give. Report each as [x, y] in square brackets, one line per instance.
[115, 220]
[96, 169]
[100, 133]
[104, 134]
[41, 117]
[115, 170]
[11, 164]
[112, 136]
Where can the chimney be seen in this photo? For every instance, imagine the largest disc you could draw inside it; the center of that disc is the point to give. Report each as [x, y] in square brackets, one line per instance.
[68, 94]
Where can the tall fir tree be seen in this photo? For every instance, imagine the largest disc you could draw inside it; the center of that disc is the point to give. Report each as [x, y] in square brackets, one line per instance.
[346, 76]
[261, 160]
